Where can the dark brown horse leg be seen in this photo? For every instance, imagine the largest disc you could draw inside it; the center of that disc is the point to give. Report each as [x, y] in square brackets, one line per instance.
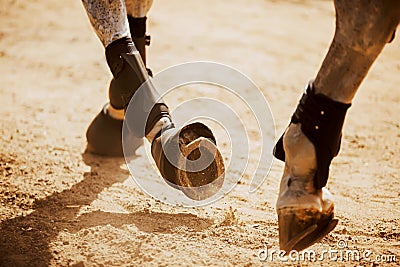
[305, 209]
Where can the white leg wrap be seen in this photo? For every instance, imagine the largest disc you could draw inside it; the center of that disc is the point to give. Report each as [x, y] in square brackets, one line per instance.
[108, 18]
[138, 8]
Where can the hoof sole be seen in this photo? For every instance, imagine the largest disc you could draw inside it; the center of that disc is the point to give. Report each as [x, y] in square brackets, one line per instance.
[204, 183]
[104, 137]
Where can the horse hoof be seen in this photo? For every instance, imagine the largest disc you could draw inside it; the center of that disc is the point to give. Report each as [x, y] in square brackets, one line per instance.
[201, 184]
[301, 228]
[104, 137]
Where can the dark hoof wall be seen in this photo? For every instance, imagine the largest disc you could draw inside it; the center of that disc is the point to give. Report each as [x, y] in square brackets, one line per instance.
[299, 229]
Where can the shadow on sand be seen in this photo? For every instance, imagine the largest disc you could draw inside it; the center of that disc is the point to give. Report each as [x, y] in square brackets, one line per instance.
[24, 240]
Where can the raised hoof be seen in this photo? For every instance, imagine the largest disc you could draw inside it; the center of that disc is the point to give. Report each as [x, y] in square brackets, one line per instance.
[189, 160]
[202, 184]
[299, 229]
[104, 137]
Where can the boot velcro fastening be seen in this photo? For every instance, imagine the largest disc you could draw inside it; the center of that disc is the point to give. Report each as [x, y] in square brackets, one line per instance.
[321, 121]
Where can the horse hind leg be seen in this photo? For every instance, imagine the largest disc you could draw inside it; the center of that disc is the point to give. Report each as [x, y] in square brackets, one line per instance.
[362, 30]
[305, 207]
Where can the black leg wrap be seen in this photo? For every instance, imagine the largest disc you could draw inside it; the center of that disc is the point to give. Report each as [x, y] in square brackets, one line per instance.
[321, 121]
[168, 143]
[129, 74]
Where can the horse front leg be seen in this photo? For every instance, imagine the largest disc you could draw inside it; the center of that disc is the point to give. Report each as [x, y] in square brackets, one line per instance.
[305, 207]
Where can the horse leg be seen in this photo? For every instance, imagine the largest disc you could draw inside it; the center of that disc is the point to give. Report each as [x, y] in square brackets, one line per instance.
[121, 25]
[305, 206]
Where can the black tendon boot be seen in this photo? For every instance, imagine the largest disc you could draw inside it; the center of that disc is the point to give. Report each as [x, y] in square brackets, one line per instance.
[305, 207]
[139, 37]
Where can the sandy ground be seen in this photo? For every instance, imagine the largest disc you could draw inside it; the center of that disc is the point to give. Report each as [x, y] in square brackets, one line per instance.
[61, 207]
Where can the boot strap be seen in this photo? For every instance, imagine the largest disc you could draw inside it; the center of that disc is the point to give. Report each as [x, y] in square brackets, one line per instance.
[321, 121]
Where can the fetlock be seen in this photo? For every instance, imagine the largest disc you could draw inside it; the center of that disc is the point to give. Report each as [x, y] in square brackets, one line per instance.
[119, 94]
